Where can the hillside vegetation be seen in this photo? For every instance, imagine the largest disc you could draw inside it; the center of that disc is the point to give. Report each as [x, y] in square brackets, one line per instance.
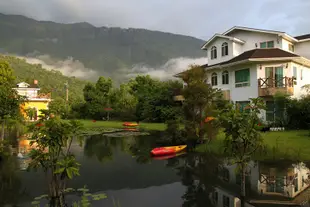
[106, 50]
[49, 81]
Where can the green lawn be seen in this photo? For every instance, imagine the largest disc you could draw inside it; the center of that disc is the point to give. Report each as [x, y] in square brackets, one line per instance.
[283, 144]
[119, 124]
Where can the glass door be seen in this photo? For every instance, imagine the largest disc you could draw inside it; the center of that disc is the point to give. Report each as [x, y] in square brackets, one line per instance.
[279, 76]
[269, 75]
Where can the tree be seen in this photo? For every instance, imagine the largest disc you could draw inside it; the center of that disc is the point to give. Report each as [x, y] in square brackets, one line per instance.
[52, 139]
[242, 139]
[9, 99]
[200, 102]
[30, 112]
[6, 74]
[58, 106]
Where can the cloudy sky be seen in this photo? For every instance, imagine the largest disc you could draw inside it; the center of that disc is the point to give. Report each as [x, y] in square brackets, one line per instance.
[199, 18]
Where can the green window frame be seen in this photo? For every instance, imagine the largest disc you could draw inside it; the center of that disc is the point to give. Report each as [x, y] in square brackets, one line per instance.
[270, 44]
[242, 78]
[263, 45]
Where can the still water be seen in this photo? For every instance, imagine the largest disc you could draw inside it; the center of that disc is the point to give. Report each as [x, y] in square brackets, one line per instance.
[121, 167]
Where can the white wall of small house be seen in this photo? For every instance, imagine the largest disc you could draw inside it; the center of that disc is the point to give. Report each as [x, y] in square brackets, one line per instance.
[252, 38]
[303, 49]
[237, 49]
[303, 78]
[218, 43]
[285, 44]
[239, 93]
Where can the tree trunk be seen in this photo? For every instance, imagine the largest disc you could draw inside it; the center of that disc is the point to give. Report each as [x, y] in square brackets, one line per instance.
[242, 197]
[2, 130]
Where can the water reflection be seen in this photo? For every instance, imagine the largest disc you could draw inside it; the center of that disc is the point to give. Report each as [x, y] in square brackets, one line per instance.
[124, 169]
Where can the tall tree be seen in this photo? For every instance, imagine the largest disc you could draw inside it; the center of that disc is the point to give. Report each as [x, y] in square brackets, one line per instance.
[242, 139]
[9, 99]
[200, 102]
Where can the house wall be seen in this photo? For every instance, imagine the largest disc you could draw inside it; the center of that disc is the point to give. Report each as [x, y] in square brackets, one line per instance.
[233, 200]
[251, 38]
[303, 78]
[285, 44]
[29, 93]
[289, 190]
[237, 49]
[241, 93]
[35, 104]
[218, 43]
[302, 49]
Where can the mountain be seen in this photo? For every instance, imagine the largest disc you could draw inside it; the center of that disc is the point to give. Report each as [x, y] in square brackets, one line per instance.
[49, 81]
[105, 50]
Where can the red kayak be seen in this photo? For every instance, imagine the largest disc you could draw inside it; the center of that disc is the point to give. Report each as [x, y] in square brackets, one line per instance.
[160, 151]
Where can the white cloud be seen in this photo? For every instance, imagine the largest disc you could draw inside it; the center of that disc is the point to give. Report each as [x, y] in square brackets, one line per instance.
[68, 67]
[166, 71]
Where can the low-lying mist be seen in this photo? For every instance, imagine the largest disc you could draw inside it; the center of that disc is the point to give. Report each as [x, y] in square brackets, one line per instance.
[72, 67]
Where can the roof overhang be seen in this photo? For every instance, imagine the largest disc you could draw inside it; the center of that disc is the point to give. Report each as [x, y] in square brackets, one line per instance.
[299, 60]
[221, 36]
[304, 40]
[282, 34]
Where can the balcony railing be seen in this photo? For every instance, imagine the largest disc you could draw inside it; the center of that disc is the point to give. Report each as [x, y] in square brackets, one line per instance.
[271, 86]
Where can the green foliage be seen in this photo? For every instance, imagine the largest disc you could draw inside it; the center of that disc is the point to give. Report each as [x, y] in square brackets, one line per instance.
[52, 139]
[155, 99]
[242, 139]
[49, 81]
[201, 101]
[86, 198]
[30, 112]
[6, 73]
[84, 42]
[59, 107]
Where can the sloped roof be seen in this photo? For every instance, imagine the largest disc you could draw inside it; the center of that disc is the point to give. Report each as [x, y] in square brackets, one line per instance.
[257, 54]
[260, 30]
[32, 85]
[303, 37]
[222, 36]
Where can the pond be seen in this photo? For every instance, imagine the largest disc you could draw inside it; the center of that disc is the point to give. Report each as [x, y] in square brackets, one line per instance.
[122, 168]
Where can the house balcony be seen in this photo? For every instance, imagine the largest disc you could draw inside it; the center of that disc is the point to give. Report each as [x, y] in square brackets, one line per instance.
[270, 86]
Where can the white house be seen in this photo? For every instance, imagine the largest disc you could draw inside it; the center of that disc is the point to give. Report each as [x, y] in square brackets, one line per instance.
[249, 63]
[267, 182]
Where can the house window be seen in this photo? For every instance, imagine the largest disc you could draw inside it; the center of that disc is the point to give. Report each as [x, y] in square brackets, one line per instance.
[225, 174]
[296, 184]
[214, 79]
[295, 72]
[303, 181]
[269, 44]
[215, 197]
[213, 53]
[242, 105]
[225, 77]
[225, 201]
[291, 47]
[242, 78]
[224, 49]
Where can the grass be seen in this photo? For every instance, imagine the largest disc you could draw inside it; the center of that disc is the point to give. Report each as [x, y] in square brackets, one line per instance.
[118, 125]
[294, 145]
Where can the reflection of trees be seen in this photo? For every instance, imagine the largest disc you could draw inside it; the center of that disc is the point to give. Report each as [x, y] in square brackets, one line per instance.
[10, 184]
[100, 147]
[199, 175]
[140, 148]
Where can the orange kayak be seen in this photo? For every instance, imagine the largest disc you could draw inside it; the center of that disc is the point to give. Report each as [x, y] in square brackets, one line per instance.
[160, 151]
[130, 124]
[166, 157]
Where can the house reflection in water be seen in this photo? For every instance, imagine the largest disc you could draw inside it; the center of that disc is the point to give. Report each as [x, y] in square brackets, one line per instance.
[267, 184]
